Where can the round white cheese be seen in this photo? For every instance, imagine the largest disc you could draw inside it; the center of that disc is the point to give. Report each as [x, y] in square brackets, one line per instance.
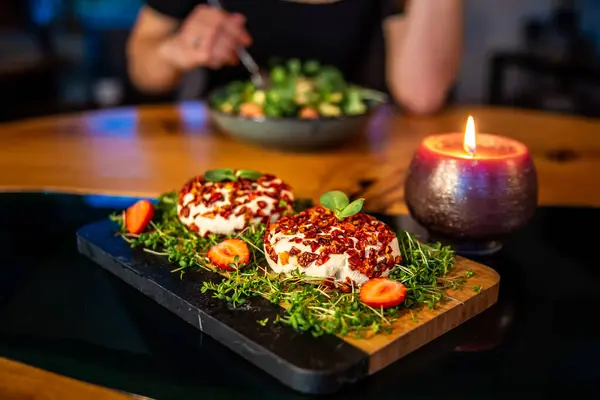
[229, 207]
[346, 255]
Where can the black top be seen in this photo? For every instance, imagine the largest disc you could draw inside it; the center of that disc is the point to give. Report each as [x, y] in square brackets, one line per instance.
[347, 34]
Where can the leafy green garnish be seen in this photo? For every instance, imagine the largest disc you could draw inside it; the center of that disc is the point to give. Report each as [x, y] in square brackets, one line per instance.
[423, 271]
[339, 203]
[307, 304]
[248, 174]
[351, 209]
[334, 200]
[220, 175]
[228, 174]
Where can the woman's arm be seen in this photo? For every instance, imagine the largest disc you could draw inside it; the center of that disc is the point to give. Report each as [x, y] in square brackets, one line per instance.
[161, 49]
[423, 53]
[149, 68]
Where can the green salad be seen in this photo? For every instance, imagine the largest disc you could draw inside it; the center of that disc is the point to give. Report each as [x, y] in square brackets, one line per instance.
[295, 89]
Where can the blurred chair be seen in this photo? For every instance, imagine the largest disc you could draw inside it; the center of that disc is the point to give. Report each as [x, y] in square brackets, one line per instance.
[562, 86]
[28, 64]
[559, 66]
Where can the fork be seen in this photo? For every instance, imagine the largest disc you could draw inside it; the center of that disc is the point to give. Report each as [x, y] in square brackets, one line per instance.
[255, 74]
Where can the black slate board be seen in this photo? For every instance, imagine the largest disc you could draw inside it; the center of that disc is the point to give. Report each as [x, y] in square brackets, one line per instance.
[309, 365]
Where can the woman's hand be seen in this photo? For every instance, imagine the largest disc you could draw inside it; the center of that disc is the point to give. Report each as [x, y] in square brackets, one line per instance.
[209, 37]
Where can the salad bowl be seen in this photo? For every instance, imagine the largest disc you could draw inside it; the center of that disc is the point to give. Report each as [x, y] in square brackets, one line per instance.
[298, 112]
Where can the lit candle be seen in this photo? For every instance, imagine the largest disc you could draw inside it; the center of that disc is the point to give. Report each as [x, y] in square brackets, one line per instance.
[471, 189]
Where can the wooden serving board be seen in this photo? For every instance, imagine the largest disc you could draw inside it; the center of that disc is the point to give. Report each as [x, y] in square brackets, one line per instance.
[307, 364]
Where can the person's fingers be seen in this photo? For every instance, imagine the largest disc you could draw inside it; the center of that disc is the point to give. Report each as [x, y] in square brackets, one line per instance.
[235, 26]
[211, 37]
[228, 26]
[205, 15]
[201, 22]
[226, 42]
[205, 51]
[234, 36]
[225, 49]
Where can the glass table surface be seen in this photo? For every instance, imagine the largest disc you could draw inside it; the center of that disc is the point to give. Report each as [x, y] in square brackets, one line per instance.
[61, 312]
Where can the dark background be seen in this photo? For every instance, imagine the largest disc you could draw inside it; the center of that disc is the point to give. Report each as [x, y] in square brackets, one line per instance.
[68, 55]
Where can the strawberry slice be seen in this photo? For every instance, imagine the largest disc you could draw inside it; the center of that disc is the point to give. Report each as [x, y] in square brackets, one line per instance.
[382, 293]
[138, 216]
[225, 253]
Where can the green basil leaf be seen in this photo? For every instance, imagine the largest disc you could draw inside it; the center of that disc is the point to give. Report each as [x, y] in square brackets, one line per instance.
[219, 175]
[351, 209]
[249, 174]
[334, 200]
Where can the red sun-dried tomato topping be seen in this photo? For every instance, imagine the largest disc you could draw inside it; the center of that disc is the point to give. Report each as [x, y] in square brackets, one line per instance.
[305, 258]
[319, 229]
[233, 199]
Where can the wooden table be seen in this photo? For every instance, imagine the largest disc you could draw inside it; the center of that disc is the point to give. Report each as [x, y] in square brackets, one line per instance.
[150, 150]
[19, 381]
[155, 149]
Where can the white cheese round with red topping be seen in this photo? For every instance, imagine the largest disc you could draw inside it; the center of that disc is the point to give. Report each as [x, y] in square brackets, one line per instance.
[231, 206]
[315, 242]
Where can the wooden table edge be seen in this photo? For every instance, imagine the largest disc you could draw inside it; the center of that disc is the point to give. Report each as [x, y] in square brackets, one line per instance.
[74, 190]
[38, 383]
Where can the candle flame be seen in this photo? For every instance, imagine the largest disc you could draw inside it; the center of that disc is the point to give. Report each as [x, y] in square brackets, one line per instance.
[469, 142]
